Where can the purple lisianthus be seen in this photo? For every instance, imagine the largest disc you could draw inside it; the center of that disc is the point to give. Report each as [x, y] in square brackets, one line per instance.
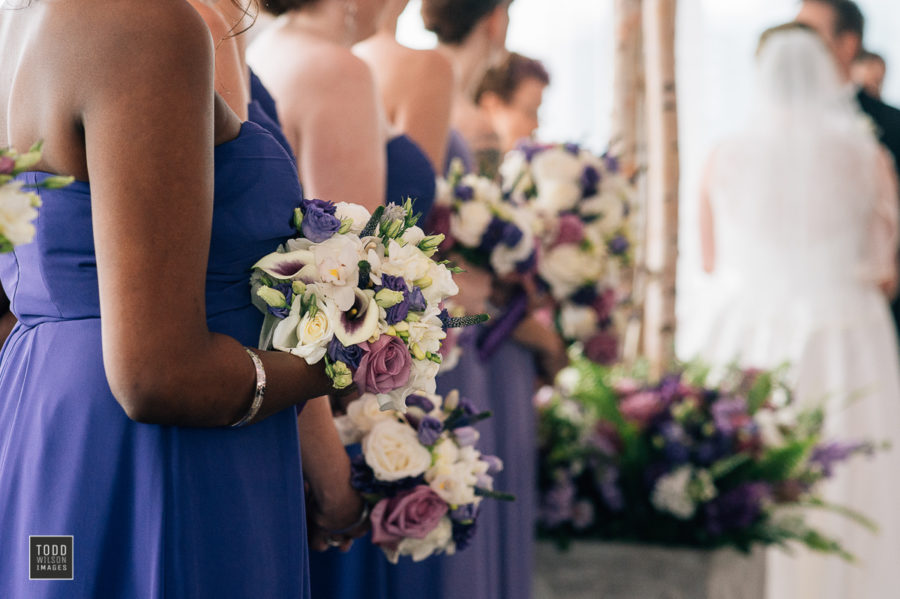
[421, 402]
[608, 485]
[410, 514]
[611, 162]
[570, 230]
[730, 415]
[464, 513]
[466, 436]
[530, 149]
[585, 295]
[350, 356]
[430, 430]
[288, 292]
[572, 148]
[590, 181]
[397, 312]
[557, 504]
[464, 193]
[736, 509]
[619, 245]
[417, 300]
[602, 348]
[675, 443]
[362, 478]
[7, 165]
[495, 464]
[385, 365]
[319, 222]
[463, 534]
[827, 455]
[493, 235]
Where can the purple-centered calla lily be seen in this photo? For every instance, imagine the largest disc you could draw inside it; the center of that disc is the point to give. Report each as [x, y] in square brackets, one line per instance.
[359, 322]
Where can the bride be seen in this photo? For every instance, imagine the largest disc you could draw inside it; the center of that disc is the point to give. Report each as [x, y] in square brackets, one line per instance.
[799, 232]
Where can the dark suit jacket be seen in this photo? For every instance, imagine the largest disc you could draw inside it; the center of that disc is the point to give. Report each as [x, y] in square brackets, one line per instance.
[887, 119]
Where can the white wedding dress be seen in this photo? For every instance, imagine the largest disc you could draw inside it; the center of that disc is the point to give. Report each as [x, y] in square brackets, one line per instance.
[805, 220]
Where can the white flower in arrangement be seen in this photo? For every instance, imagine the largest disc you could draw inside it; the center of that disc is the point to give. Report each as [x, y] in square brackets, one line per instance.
[454, 483]
[393, 451]
[445, 453]
[413, 236]
[609, 207]
[557, 172]
[504, 259]
[422, 375]
[365, 413]
[567, 267]
[406, 261]
[337, 261]
[577, 322]
[485, 190]
[469, 223]
[347, 430]
[440, 539]
[304, 336]
[702, 487]
[296, 265]
[515, 174]
[672, 494]
[439, 284]
[17, 209]
[557, 196]
[358, 216]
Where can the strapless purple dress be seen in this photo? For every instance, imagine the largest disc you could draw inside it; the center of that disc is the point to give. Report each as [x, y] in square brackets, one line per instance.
[155, 511]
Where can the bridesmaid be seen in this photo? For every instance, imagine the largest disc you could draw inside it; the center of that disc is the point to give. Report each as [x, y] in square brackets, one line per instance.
[116, 390]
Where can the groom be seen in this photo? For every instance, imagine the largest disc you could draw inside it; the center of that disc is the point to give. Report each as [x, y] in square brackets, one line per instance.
[841, 24]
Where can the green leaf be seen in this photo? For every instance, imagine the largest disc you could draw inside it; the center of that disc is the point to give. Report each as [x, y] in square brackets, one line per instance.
[759, 392]
[728, 465]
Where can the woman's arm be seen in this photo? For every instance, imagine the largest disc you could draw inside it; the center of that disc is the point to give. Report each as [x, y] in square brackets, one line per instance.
[884, 234]
[342, 152]
[231, 76]
[147, 113]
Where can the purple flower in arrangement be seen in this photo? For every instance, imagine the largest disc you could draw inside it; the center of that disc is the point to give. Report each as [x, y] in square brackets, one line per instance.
[463, 534]
[319, 222]
[430, 430]
[464, 193]
[570, 229]
[421, 402]
[602, 348]
[670, 387]
[350, 356]
[676, 447]
[467, 406]
[512, 235]
[362, 478]
[585, 295]
[493, 235]
[730, 415]
[604, 439]
[605, 303]
[397, 312]
[530, 149]
[288, 292]
[416, 300]
[465, 513]
[642, 407]
[713, 449]
[495, 464]
[7, 165]
[590, 181]
[582, 514]
[466, 436]
[557, 504]
[827, 455]
[736, 509]
[611, 163]
[413, 513]
[385, 365]
[608, 485]
[572, 148]
[527, 265]
[619, 245]
[445, 318]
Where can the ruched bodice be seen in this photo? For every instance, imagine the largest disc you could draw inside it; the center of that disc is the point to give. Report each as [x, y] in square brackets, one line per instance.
[409, 175]
[155, 511]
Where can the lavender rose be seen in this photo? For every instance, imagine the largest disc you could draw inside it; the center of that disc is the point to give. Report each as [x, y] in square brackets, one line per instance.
[384, 366]
[319, 222]
[410, 514]
[602, 348]
[571, 230]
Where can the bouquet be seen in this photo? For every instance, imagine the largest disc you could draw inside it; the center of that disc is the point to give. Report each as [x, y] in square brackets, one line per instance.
[477, 223]
[18, 206]
[580, 205]
[420, 472]
[361, 292]
[684, 462]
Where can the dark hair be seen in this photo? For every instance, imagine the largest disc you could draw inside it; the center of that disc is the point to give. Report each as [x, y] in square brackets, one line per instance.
[279, 7]
[866, 56]
[250, 9]
[791, 26]
[849, 19]
[505, 78]
[453, 20]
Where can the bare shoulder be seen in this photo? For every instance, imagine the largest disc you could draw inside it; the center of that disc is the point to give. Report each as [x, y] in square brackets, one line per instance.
[338, 77]
[431, 64]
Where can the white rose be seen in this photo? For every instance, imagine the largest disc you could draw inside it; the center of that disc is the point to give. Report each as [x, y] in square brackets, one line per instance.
[454, 483]
[393, 451]
[17, 210]
[365, 413]
[567, 267]
[439, 540]
[671, 494]
[469, 222]
[413, 236]
[578, 322]
[407, 261]
[306, 337]
[558, 196]
[356, 213]
[556, 164]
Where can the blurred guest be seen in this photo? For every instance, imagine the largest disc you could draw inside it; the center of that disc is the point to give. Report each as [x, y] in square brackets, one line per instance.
[472, 35]
[868, 73]
[799, 230]
[416, 86]
[511, 95]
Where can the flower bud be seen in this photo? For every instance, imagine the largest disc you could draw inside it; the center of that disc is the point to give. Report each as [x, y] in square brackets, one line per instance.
[298, 287]
[387, 298]
[341, 376]
[272, 297]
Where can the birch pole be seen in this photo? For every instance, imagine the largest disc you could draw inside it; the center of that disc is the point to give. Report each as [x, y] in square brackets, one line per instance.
[662, 171]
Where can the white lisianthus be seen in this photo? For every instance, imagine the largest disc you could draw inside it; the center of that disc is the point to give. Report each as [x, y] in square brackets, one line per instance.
[454, 483]
[439, 540]
[17, 209]
[413, 235]
[443, 193]
[365, 413]
[442, 285]
[406, 261]
[427, 332]
[558, 196]
[486, 190]
[469, 222]
[356, 213]
[672, 494]
[567, 267]
[393, 451]
[337, 263]
[578, 322]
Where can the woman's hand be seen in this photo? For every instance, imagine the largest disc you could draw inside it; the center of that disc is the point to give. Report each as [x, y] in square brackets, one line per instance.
[339, 522]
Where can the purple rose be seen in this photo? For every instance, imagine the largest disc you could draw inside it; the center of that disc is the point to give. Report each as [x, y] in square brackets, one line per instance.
[319, 222]
[411, 514]
[350, 356]
[430, 430]
[602, 348]
[569, 230]
[397, 312]
[384, 366]
[7, 165]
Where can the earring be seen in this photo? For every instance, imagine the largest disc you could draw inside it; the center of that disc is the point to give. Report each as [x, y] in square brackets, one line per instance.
[350, 9]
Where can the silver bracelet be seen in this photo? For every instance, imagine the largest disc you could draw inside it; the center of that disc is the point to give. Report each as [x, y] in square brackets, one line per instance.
[359, 521]
[259, 393]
